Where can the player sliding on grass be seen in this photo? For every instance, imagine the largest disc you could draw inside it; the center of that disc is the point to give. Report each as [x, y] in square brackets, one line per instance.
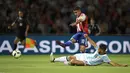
[82, 28]
[88, 59]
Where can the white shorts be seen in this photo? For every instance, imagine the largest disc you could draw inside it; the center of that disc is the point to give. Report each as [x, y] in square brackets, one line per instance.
[82, 57]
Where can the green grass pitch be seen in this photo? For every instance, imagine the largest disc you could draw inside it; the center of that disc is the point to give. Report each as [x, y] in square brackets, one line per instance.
[41, 64]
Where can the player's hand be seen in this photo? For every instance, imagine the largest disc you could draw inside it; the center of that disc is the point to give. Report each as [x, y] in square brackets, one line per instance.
[26, 33]
[73, 24]
[9, 27]
[85, 35]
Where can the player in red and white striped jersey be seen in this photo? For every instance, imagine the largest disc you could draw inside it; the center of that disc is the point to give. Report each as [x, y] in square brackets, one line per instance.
[82, 28]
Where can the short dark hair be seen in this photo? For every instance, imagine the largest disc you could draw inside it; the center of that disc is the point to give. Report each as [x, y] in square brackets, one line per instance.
[103, 47]
[76, 8]
[22, 10]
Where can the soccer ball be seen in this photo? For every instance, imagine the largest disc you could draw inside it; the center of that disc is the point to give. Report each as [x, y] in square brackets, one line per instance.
[16, 53]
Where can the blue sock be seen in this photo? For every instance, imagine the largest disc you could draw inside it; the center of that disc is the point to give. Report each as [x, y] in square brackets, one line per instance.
[68, 43]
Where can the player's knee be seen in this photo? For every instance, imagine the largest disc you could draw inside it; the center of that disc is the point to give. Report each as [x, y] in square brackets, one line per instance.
[23, 42]
[73, 40]
[71, 57]
[72, 62]
[15, 41]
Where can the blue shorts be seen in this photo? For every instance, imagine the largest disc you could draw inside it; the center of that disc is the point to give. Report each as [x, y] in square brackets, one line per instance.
[79, 37]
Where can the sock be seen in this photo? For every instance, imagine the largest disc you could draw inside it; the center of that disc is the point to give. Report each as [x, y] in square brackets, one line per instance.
[87, 41]
[68, 43]
[61, 59]
[15, 46]
[67, 63]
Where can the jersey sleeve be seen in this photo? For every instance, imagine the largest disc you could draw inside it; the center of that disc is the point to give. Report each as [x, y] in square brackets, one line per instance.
[16, 21]
[106, 59]
[82, 17]
[96, 47]
[27, 22]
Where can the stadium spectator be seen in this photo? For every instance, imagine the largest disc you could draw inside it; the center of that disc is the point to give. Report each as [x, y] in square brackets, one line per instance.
[110, 12]
[94, 28]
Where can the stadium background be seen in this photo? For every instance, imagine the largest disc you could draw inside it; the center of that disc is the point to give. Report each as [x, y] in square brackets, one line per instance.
[49, 21]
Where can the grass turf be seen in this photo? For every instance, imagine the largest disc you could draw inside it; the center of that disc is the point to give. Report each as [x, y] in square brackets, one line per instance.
[41, 64]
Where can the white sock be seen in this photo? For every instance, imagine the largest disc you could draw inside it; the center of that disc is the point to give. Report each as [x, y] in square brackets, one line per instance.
[60, 59]
[67, 63]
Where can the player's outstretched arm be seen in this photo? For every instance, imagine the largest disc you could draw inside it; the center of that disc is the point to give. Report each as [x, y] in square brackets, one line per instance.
[73, 24]
[10, 26]
[117, 65]
[90, 40]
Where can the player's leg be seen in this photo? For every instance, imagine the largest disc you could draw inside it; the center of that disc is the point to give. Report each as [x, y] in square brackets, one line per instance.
[83, 43]
[69, 60]
[23, 40]
[65, 58]
[15, 43]
[77, 62]
[58, 59]
[61, 59]
[77, 59]
[73, 39]
[71, 57]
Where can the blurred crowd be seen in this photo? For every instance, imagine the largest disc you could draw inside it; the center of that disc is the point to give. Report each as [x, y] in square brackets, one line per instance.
[54, 16]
